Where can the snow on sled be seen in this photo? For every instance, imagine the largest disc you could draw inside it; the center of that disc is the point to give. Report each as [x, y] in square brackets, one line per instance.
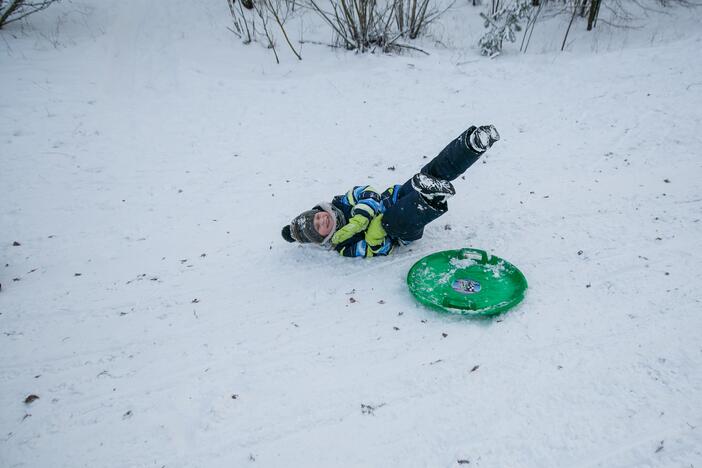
[467, 282]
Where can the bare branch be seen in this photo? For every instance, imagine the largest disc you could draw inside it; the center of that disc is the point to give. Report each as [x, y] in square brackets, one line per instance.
[18, 9]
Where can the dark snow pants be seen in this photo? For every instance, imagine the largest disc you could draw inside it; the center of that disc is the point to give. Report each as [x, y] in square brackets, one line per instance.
[406, 218]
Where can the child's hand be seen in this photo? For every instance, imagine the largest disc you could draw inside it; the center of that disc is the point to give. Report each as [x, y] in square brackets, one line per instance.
[375, 235]
[355, 225]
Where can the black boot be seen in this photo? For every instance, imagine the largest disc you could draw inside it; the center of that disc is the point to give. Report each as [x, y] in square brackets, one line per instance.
[482, 138]
[432, 188]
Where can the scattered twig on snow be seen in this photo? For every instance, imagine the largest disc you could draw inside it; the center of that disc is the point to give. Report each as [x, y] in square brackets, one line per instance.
[369, 409]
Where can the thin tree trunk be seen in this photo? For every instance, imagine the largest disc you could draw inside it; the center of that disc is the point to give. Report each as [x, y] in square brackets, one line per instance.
[592, 17]
[264, 22]
[400, 14]
[572, 18]
[530, 29]
[282, 28]
[246, 25]
[413, 17]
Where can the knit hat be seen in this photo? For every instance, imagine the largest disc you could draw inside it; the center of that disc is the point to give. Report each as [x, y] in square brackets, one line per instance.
[302, 229]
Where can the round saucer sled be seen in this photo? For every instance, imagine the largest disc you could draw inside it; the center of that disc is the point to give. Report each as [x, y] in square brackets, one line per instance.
[467, 282]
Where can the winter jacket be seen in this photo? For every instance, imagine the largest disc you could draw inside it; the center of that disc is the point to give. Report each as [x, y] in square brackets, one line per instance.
[365, 205]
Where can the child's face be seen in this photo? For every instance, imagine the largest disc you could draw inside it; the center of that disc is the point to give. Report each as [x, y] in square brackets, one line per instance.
[323, 223]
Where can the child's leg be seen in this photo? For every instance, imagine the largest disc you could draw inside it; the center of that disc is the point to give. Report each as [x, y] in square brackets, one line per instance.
[405, 220]
[408, 216]
[450, 163]
[453, 160]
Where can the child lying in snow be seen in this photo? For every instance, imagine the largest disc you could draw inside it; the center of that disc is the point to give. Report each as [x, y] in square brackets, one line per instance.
[365, 223]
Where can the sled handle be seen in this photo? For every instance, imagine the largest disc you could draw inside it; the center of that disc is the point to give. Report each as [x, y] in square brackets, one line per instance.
[484, 256]
[447, 302]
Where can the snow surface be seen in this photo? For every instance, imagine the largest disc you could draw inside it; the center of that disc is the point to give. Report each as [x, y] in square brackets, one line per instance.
[149, 161]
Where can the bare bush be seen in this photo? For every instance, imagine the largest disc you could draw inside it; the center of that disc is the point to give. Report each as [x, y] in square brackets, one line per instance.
[358, 24]
[502, 24]
[505, 17]
[14, 10]
[253, 20]
[412, 16]
[364, 25]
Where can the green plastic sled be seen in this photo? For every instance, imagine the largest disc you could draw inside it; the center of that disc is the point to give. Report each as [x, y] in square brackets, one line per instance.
[467, 282]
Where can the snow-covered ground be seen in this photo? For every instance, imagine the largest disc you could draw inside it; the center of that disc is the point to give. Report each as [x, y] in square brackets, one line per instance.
[148, 161]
